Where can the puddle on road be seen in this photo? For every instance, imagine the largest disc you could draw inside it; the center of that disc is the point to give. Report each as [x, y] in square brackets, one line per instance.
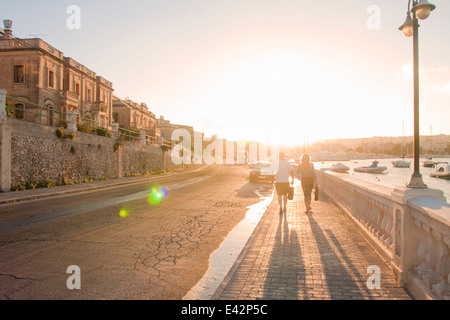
[221, 260]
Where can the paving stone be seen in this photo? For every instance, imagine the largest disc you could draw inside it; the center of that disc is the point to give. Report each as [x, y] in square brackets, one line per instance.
[319, 255]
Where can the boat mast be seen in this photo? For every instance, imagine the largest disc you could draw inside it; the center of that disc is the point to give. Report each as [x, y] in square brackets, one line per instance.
[403, 141]
[431, 140]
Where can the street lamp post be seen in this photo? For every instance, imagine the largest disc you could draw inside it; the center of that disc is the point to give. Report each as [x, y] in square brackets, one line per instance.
[420, 10]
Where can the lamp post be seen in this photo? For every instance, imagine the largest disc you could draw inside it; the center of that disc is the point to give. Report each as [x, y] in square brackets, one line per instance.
[420, 10]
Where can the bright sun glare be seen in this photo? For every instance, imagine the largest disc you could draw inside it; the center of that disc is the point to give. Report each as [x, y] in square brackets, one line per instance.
[281, 98]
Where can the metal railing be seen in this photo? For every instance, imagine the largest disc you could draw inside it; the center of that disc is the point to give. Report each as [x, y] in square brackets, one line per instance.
[128, 134]
[33, 112]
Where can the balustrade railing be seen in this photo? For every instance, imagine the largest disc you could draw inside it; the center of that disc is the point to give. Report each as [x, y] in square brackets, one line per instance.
[411, 228]
[371, 209]
[432, 267]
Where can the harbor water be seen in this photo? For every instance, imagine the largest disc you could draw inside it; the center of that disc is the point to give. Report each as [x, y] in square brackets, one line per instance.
[392, 177]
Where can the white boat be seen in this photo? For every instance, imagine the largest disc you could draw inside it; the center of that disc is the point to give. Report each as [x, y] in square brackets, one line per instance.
[442, 171]
[428, 163]
[339, 167]
[401, 164]
[373, 168]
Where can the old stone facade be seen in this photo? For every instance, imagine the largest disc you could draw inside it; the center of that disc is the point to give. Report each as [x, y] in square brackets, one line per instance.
[40, 75]
[167, 128]
[130, 114]
[48, 89]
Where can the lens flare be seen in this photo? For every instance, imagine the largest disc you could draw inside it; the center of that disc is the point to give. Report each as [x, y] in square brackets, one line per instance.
[123, 213]
[157, 194]
[165, 192]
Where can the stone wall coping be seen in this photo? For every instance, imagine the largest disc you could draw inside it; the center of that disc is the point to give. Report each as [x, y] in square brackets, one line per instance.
[380, 190]
[435, 209]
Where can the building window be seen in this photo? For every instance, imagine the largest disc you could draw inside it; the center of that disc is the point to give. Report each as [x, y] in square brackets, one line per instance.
[50, 115]
[77, 89]
[88, 95]
[19, 74]
[116, 117]
[19, 111]
[51, 79]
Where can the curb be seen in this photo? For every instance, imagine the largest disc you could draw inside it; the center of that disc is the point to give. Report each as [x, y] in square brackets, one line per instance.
[49, 193]
[215, 296]
[13, 197]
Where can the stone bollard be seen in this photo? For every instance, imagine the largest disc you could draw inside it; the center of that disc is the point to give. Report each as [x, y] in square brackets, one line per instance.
[2, 102]
[115, 130]
[5, 154]
[405, 240]
[72, 121]
[143, 135]
[5, 146]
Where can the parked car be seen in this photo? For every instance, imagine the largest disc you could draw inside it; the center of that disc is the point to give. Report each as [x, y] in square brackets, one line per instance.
[262, 171]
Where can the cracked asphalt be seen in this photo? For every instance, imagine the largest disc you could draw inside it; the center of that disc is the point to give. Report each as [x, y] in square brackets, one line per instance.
[155, 252]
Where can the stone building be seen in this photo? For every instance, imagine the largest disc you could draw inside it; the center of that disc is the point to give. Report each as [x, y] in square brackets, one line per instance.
[166, 128]
[130, 114]
[38, 74]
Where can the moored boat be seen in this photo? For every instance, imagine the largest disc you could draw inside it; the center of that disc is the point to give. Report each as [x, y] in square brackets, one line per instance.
[401, 164]
[373, 168]
[442, 171]
[339, 167]
[428, 163]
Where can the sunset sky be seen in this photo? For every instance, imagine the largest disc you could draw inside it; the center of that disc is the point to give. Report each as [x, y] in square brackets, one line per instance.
[291, 70]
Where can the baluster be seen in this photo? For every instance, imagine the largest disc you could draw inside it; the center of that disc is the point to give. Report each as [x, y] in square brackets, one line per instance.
[389, 228]
[357, 209]
[423, 268]
[442, 289]
[365, 211]
[434, 251]
[377, 219]
[372, 216]
[385, 227]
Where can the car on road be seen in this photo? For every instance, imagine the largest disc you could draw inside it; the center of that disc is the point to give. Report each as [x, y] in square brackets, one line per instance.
[262, 171]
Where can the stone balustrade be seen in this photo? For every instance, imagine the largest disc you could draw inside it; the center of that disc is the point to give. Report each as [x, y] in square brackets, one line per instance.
[409, 228]
[369, 206]
[431, 272]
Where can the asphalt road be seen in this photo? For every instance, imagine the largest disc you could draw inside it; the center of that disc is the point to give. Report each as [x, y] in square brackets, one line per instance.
[152, 251]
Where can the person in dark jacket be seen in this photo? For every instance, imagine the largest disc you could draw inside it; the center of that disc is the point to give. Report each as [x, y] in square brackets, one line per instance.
[307, 177]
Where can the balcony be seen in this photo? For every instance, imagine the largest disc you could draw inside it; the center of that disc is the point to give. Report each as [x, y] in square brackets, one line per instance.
[71, 96]
[100, 106]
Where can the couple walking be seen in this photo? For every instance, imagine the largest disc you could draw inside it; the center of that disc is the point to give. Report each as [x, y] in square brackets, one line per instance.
[306, 174]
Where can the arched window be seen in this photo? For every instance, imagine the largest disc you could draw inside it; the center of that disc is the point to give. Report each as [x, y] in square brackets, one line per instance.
[48, 115]
[18, 111]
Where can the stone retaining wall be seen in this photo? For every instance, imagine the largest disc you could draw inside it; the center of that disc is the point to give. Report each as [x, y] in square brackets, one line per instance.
[38, 156]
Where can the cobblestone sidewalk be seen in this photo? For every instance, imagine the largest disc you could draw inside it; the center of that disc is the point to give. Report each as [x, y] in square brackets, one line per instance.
[319, 255]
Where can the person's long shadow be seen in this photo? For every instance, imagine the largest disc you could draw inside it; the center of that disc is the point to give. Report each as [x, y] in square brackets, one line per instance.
[339, 275]
[286, 271]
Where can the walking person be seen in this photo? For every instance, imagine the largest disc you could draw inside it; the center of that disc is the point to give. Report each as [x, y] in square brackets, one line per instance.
[308, 180]
[284, 170]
